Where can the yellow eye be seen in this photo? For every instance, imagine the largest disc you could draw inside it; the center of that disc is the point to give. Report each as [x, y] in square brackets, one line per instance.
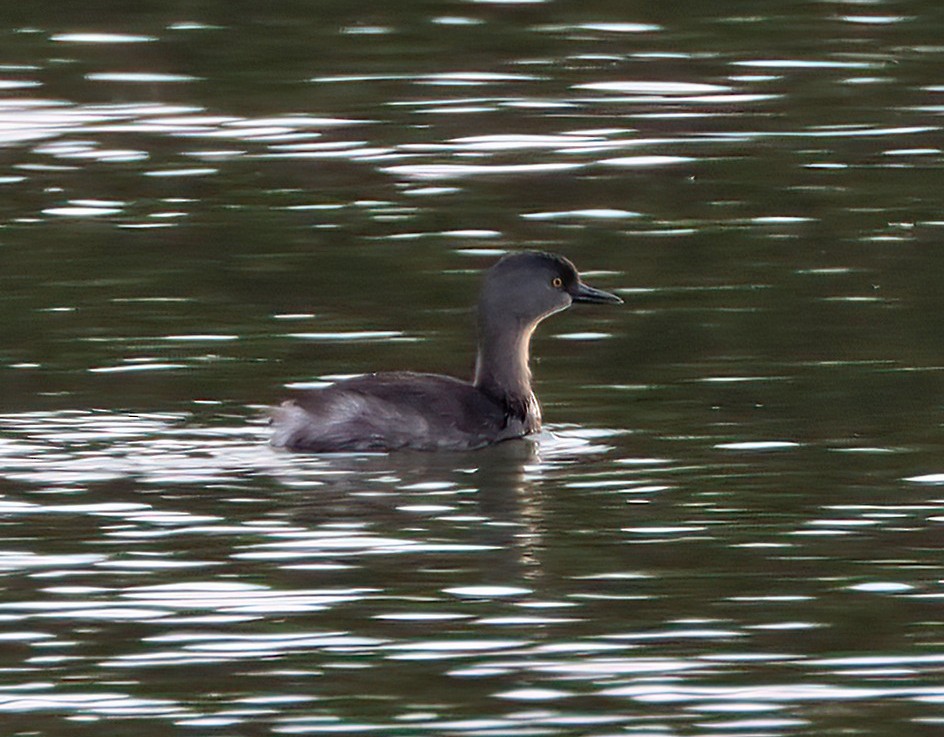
[557, 282]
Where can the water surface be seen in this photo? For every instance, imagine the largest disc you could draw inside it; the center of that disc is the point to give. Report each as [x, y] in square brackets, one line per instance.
[733, 523]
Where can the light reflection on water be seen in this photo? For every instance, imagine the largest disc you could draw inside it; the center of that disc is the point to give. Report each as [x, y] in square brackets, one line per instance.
[740, 536]
[293, 136]
[278, 582]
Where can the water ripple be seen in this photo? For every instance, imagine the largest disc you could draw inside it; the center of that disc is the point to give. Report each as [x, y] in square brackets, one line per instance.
[760, 485]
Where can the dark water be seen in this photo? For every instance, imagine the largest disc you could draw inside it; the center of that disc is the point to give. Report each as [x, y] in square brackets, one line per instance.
[735, 525]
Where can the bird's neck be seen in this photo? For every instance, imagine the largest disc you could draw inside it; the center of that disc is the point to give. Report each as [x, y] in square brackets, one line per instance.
[501, 369]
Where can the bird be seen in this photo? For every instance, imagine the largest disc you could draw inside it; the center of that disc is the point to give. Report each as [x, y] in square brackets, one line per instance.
[400, 410]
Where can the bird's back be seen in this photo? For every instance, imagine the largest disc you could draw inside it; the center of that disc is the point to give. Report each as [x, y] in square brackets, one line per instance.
[390, 411]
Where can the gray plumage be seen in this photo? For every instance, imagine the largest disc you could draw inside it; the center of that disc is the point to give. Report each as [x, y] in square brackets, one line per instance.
[395, 410]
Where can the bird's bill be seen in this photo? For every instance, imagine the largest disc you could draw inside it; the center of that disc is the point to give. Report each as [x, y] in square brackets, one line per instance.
[585, 293]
